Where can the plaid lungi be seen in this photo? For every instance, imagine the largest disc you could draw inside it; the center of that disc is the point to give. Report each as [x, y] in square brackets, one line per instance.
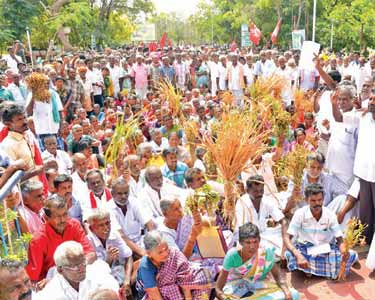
[324, 265]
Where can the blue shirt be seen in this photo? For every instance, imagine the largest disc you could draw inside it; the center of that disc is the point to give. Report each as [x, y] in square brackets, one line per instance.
[147, 272]
[167, 72]
[178, 176]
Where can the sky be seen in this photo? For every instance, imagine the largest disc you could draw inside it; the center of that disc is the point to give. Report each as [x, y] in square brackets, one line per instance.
[183, 7]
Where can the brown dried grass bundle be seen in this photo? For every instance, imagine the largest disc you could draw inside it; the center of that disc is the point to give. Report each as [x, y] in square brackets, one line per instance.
[263, 87]
[227, 98]
[302, 101]
[38, 84]
[239, 139]
[171, 96]
[293, 164]
[353, 237]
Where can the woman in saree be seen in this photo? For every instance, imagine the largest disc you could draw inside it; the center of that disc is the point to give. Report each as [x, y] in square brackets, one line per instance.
[165, 273]
[246, 268]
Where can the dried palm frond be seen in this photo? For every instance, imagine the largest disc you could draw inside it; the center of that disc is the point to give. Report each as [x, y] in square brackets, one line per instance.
[353, 236]
[38, 84]
[293, 164]
[171, 96]
[124, 131]
[239, 139]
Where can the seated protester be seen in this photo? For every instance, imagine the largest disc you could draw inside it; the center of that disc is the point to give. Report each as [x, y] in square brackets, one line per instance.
[158, 142]
[332, 186]
[14, 282]
[129, 215]
[75, 278]
[144, 151]
[62, 158]
[183, 154]
[77, 136]
[63, 187]
[98, 196]
[260, 210]
[33, 201]
[164, 273]
[95, 161]
[110, 247]
[318, 248]
[246, 267]
[300, 139]
[80, 191]
[157, 188]
[173, 169]
[168, 127]
[133, 164]
[59, 227]
[199, 161]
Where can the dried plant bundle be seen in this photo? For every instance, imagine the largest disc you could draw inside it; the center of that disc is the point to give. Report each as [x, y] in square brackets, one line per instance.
[38, 84]
[269, 86]
[171, 96]
[204, 200]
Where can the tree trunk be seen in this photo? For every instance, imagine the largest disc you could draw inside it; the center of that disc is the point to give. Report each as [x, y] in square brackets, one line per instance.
[57, 5]
[300, 8]
[361, 39]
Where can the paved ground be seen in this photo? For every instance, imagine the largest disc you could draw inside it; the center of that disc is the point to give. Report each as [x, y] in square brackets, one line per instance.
[358, 285]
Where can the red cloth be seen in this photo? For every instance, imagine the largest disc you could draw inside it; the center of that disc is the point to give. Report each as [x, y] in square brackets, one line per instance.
[3, 133]
[44, 243]
[93, 203]
[276, 31]
[255, 33]
[163, 40]
[233, 46]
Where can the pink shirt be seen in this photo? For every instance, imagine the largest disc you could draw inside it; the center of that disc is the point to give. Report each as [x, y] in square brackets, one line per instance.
[140, 73]
[33, 220]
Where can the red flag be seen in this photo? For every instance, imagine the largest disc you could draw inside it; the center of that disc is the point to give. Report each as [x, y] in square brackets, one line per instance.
[276, 31]
[233, 46]
[163, 40]
[255, 33]
[169, 42]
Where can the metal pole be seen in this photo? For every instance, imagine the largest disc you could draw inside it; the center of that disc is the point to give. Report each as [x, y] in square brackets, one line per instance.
[30, 49]
[331, 35]
[314, 21]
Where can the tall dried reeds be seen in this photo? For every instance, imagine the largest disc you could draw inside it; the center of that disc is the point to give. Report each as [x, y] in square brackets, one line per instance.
[171, 95]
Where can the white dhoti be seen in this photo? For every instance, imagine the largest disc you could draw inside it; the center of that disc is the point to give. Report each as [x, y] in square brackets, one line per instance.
[337, 204]
[272, 238]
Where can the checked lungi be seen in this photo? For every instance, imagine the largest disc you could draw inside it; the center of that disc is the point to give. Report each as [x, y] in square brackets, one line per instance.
[324, 265]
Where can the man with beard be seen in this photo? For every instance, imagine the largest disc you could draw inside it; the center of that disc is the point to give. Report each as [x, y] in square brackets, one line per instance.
[318, 248]
[59, 227]
[75, 279]
[63, 184]
[14, 282]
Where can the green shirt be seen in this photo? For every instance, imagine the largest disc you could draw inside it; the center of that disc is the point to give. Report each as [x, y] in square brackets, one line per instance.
[5, 94]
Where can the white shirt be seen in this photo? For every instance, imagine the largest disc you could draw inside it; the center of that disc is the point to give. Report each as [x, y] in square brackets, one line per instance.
[164, 144]
[222, 77]
[116, 241]
[80, 190]
[136, 218]
[98, 275]
[234, 83]
[341, 150]
[12, 63]
[364, 163]
[306, 228]
[63, 160]
[95, 76]
[265, 69]
[246, 212]
[43, 117]
[115, 74]
[249, 74]
[19, 98]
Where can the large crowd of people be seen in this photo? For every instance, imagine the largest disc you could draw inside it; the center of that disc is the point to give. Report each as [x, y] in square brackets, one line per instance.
[96, 235]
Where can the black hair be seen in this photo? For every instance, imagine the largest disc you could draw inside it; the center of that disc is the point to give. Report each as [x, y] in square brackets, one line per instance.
[10, 111]
[313, 189]
[254, 180]
[335, 75]
[319, 157]
[169, 150]
[61, 178]
[297, 130]
[248, 231]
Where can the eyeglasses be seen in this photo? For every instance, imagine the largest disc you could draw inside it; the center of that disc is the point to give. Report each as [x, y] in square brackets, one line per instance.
[76, 267]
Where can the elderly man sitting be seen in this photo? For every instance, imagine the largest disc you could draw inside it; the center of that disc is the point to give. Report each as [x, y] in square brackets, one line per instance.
[74, 278]
[318, 247]
[110, 247]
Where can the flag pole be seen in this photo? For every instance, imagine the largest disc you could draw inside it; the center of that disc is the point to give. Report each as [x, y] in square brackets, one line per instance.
[30, 49]
[314, 21]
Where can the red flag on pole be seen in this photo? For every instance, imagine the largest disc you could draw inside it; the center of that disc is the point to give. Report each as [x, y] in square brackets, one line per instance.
[276, 31]
[163, 40]
[255, 33]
